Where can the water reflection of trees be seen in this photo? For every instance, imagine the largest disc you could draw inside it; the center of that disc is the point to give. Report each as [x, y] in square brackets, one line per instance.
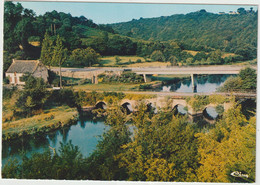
[65, 132]
[24, 144]
[53, 137]
[186, 82]
[176, 86]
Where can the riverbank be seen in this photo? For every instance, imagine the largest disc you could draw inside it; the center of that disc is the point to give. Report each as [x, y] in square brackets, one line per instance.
[47, 121]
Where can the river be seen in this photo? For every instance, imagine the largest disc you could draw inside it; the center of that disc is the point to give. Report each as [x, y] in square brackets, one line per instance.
[84, 134]
[87, 132]
[204, 83]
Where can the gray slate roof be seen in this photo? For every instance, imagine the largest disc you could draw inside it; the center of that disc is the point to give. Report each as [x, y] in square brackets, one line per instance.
[23, 66]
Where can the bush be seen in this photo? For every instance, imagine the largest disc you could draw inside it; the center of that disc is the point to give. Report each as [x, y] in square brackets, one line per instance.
[7, 93]
[84, 81]
[139, 61]
[6, 80]
[145, 86]
[125, 77]
[63, 97]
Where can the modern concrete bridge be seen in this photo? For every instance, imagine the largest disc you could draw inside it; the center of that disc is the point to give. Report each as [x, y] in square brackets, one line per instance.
[147, 72]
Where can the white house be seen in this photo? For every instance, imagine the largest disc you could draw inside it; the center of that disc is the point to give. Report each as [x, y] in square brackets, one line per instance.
[19, 67]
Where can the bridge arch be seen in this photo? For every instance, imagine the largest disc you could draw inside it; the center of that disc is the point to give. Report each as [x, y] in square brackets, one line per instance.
[210, 112]
[180, 109]
[101, 105]
[127, 107]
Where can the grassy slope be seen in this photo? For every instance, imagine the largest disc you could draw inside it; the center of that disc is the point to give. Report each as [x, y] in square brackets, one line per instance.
[51, 118]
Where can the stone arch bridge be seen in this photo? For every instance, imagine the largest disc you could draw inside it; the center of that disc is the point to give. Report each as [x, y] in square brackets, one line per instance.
[158, 103]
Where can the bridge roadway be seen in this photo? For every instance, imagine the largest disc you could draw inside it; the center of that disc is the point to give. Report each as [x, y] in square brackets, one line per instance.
[218, 69]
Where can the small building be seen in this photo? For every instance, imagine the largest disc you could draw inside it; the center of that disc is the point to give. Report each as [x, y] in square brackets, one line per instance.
[221, 13]
[19, 67]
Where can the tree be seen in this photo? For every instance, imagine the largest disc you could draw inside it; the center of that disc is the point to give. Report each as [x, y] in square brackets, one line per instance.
[248, 77]
[12, 15]
[117, 59]
[47, 49]
[157, 55]
[84, 57]
[173, 60]
[228, 147]
[59, 55]
[33, 95]
[241, 10]
[155, 152]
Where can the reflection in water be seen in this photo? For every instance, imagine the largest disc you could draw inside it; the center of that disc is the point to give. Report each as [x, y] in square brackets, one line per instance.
[84, 134]
[205, 83]
[181, 109]
[211, 112]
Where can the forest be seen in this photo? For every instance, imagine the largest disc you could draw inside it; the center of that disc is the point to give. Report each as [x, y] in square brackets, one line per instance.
[217, 39]
[201, 31]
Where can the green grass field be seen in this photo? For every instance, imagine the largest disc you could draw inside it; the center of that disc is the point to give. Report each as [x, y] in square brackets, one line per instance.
[107, 87]
[49, 118]
[124, 60]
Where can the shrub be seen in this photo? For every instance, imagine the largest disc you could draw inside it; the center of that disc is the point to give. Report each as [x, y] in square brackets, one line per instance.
[145, 86]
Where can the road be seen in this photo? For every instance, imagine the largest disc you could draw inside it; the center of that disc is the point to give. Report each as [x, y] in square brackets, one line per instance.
[218, 69]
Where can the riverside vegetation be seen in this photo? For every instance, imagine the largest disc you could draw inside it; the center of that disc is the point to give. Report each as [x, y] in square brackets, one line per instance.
[164, 146]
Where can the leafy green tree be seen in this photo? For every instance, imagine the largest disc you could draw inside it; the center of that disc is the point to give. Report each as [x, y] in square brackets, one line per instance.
[248, 77]
[228, 147]
[33, 95]
[157, 55]
[12, 15]
[246, 80]
[173, 60]
[84, 57]
[117, 59]
[155, 153]
[102, 164]
[47, 49]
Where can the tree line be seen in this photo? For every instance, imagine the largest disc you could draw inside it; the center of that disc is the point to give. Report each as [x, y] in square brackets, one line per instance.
[25, 38]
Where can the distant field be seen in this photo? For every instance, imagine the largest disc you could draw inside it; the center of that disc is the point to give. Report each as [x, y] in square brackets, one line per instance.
[130, 61]
[107, 87]
[124, 60]
[150, 64]
[223, 55]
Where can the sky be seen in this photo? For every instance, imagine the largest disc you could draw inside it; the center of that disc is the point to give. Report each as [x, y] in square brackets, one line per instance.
[105, 13]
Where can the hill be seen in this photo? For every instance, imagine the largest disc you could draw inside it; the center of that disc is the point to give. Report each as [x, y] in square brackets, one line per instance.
[199, 31]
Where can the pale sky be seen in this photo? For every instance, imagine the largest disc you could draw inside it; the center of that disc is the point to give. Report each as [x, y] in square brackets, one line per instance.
[103, 13]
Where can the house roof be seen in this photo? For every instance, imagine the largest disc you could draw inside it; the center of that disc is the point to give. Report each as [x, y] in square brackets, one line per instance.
[23, 66]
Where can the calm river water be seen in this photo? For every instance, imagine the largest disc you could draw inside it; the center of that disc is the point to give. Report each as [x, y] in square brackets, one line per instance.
[84, 134]
[206, 83]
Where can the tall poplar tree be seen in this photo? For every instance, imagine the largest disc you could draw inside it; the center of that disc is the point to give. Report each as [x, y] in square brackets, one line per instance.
[59, 55]
[47, 50]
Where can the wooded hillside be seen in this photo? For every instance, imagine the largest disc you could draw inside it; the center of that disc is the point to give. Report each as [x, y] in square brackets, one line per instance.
[199, 31]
